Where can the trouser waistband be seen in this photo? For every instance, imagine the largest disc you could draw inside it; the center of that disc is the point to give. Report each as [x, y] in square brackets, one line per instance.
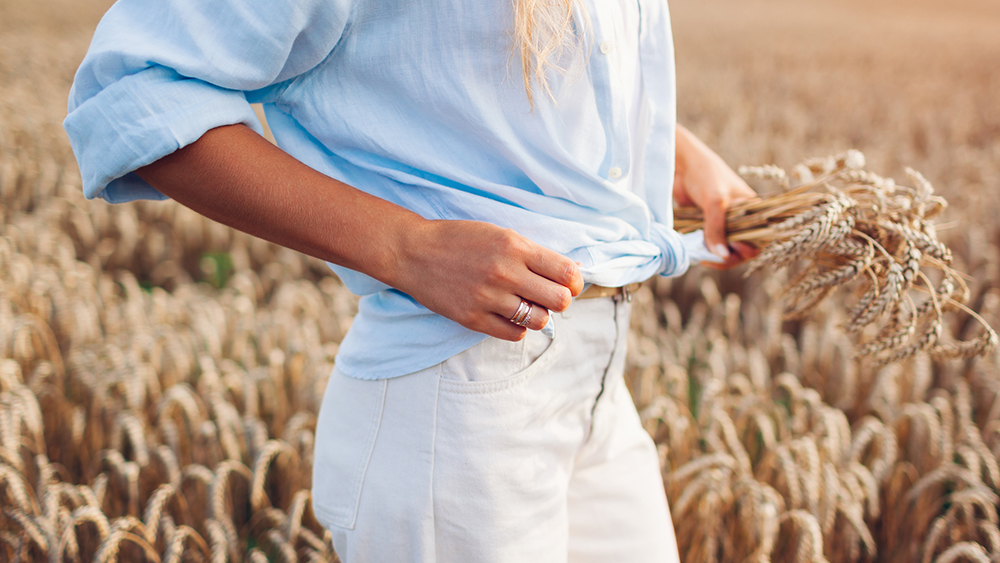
[596, 291]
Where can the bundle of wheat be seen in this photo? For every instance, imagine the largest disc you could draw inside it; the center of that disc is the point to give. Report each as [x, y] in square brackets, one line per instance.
[848, 226]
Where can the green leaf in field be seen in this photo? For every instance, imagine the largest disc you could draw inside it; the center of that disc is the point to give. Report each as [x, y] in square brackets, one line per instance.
[217, 268]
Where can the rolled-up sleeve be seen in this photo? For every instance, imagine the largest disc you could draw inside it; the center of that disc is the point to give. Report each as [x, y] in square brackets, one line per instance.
[158, 75]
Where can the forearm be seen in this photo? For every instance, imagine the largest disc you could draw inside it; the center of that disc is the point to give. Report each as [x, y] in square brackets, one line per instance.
[235, 177]
[688, 147]
[471, 272]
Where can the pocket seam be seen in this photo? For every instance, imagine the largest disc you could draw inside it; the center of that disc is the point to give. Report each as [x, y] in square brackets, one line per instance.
[484, 387]
[448, 373]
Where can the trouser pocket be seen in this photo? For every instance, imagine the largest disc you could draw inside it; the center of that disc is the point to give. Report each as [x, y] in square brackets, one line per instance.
[494, 359]
[348, 425]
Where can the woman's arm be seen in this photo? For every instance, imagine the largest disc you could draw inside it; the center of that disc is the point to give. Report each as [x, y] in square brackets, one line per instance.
[471, 272]
[703, 179]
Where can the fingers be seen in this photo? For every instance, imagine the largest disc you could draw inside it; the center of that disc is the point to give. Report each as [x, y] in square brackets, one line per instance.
[739, 252]
[559, 269]
[538, 316]
[543, 294]
[715, 212]
[744, 251]
[715, 228]
[741, 191]
[499, 327]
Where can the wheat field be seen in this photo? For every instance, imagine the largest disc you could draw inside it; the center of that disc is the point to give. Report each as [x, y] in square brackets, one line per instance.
[160, 374]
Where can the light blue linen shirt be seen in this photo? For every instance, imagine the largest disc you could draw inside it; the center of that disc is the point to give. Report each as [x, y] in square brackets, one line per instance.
[418, 103]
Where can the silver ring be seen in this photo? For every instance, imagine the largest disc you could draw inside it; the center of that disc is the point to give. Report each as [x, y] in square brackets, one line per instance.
[523, 314]
[527, 318]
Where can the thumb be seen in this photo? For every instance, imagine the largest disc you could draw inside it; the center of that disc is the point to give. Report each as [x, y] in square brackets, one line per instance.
[715, 230]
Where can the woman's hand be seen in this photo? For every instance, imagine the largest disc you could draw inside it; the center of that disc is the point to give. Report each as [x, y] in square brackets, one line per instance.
[704, 180]
[477, 273]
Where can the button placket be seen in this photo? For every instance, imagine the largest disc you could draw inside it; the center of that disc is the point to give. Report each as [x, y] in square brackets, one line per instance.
[610, 105]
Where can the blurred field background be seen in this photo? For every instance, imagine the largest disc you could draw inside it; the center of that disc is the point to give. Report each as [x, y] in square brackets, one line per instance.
[160, 375]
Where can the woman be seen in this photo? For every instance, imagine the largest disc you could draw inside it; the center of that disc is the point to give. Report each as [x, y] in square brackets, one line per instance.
[468, 207]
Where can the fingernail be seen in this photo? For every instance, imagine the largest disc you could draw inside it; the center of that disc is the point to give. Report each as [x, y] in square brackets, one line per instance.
[720, 250]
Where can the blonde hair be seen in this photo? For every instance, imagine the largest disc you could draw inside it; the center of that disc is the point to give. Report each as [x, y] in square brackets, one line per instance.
[543, 29]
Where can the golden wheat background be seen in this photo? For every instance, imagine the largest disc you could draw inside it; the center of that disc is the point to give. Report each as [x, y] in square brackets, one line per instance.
[159, 374]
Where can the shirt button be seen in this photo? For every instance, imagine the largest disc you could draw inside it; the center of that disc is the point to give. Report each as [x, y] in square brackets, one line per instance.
[615, 173]
[606, 47]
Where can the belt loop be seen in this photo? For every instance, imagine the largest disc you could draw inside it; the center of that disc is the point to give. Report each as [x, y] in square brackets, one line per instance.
[627, 292]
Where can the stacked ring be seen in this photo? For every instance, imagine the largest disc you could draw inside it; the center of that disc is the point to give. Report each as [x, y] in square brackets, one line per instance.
[523, 314]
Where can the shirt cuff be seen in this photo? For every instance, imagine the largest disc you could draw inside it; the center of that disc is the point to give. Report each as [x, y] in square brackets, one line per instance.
[141, 118]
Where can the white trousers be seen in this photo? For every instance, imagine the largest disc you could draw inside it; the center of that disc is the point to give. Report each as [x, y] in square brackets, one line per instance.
[507, 452]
